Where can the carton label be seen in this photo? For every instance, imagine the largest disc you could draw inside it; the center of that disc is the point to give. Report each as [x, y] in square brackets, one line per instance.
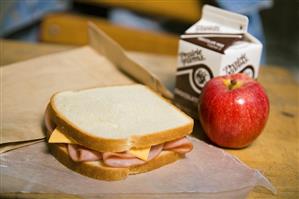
[240, 66]
[191, 56]
[218, 44]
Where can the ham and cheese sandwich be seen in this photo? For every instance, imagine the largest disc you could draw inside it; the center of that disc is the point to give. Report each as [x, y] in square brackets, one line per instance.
[111, 132]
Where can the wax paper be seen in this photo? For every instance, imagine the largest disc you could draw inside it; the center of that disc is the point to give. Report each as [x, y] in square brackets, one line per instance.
[206, 171]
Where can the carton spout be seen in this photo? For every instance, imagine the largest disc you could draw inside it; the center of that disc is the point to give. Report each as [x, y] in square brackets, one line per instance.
[218, 21]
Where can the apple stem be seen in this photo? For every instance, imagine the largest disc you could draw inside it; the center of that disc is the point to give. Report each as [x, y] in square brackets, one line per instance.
[233, 82]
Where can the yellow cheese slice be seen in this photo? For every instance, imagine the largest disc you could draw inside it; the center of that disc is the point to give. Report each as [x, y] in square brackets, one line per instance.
[58, 137]
[140, 153]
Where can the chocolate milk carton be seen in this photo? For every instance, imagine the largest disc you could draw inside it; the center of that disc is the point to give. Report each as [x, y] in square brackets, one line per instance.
[218, 44]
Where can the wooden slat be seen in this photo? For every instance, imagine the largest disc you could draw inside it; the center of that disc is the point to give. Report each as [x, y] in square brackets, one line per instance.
[183, 10]
[72, 29]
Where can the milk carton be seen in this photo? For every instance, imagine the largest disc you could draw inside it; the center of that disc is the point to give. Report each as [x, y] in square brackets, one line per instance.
[218, 44]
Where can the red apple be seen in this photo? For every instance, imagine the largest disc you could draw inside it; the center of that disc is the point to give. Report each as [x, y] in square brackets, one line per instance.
[233, 110]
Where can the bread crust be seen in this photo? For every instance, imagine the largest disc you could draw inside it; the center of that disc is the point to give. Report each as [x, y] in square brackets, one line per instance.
[97, 170]
[116, 145]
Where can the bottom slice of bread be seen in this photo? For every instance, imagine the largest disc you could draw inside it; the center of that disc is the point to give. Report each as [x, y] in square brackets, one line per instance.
[97, 170]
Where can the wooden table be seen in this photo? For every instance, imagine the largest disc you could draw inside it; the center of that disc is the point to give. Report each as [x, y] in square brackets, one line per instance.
[275, 153]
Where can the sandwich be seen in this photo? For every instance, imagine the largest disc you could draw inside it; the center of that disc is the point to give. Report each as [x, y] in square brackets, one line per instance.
[111, 132]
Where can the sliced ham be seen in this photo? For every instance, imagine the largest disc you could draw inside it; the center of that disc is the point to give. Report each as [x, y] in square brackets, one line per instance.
[182, 146]
[79, 153]
[155, 151]
[125, 159]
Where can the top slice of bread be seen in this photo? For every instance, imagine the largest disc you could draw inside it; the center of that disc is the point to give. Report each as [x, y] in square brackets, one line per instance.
[118, 118]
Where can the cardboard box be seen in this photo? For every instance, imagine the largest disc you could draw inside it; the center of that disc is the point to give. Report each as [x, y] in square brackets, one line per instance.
[216, 45]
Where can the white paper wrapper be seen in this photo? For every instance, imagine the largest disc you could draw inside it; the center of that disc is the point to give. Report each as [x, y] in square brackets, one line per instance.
[207, 171]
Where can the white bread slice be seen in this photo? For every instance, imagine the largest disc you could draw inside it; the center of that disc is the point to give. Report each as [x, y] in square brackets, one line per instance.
[118, 118]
